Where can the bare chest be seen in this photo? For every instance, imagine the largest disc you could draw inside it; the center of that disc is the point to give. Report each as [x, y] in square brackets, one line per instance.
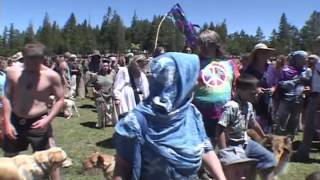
[31, 86]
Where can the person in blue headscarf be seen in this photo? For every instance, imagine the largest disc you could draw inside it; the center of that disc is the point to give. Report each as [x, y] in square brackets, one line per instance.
[163, 138]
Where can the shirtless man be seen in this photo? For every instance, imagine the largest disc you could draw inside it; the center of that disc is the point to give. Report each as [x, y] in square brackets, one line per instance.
[26, 119]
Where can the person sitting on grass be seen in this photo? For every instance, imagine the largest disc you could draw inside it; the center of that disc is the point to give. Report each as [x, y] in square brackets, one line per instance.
[237, 117]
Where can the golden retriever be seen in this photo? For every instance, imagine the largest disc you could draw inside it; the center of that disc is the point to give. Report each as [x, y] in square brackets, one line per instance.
[281, 146]
[32, 167]
[103, 161]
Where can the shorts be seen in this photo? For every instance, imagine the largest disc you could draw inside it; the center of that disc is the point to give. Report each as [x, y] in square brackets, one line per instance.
[265, 158]
[38, 138]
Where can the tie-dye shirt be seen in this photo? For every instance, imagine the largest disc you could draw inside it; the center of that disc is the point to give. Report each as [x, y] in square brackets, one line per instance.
[214, 86]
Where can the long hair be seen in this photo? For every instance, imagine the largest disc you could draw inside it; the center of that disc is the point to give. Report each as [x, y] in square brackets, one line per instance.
[209, 38]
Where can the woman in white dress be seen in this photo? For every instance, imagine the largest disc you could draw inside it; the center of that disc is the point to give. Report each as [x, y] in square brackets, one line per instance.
[131, 85]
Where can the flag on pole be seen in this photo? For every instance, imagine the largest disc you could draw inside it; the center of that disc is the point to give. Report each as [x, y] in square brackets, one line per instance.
[184, 25]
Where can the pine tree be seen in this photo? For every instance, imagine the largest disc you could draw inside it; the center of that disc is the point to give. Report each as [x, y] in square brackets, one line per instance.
[44, 34]
[273, 40]
[259, 37]
[284, 36]
[29, 34]
[117, 34]
[310, 31]
[205, 27]
[88, 41]
[222, 30]
[15, 40]
[58, 44]
[104, 34]
[70, 34]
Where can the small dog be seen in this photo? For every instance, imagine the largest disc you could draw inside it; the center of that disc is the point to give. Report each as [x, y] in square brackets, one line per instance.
[102, 161]
[281, 146]
[32, 167]
[69, 108]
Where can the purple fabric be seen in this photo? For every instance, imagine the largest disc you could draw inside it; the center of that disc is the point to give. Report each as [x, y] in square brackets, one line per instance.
[184, 25]
[288, 73]
[271, 76]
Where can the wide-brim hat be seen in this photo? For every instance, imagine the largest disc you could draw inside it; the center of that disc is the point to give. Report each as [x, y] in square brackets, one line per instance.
[17, 56]
[129, 55]
[67, 54]
[95, 53]
[73, 56]
[262, 47]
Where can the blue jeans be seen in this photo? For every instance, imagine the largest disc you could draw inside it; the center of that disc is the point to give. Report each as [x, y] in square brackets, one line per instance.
[265, 158]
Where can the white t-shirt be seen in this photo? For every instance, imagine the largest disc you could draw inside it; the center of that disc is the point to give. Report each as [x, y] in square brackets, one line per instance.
[315, 86]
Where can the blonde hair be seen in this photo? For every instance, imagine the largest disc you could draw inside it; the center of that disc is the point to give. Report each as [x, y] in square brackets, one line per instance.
[211, 38]
[137, 58]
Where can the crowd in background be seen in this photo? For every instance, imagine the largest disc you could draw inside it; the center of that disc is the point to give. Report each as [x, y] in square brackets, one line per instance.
[287, 88]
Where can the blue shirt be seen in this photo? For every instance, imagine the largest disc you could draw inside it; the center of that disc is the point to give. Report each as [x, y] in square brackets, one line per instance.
[3, 77]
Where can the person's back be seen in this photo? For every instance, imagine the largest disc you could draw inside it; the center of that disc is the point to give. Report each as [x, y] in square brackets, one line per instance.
[164, 137]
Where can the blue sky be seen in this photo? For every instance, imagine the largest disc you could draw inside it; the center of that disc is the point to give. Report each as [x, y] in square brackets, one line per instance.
[240, 14]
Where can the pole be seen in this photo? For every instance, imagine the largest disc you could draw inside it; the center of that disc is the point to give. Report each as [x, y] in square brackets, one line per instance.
[158, 30]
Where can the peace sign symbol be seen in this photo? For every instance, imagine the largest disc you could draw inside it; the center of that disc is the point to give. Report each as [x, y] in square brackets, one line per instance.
[214, 75]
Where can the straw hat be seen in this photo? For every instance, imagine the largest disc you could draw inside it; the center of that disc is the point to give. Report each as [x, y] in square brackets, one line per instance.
[95, 53]
[17, 56]
[262, 46]
[73, 56]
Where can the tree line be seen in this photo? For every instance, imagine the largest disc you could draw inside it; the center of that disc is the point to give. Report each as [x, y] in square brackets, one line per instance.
[114, 37]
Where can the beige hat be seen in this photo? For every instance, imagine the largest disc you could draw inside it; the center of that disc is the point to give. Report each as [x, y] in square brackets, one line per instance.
[262, 46]
[73, 56]
[17, 56]
[129, 55]
[95, 53]
[67, 54]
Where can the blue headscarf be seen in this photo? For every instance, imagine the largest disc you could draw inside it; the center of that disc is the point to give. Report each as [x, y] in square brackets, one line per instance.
[174, 126]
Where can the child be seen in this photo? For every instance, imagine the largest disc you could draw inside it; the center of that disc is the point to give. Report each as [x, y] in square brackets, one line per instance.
[237, 117]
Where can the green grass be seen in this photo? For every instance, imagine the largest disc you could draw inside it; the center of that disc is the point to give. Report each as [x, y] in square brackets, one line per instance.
[79, 141]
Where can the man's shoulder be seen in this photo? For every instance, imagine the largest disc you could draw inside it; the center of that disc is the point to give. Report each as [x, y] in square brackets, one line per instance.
[50, 72]
[13, 70]
[232, 104]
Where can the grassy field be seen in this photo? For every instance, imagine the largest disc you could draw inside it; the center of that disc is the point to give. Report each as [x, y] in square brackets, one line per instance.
[79, 138]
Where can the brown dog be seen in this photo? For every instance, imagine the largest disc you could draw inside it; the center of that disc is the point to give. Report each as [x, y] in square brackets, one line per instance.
[281, 146]
[32, 167]
[102, 161]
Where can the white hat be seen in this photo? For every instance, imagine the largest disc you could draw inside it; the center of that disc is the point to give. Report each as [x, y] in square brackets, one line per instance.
[262, 46]
[73, 56]
[17, 56]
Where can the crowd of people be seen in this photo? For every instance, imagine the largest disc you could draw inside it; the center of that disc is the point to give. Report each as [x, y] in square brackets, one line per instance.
[171, 110]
